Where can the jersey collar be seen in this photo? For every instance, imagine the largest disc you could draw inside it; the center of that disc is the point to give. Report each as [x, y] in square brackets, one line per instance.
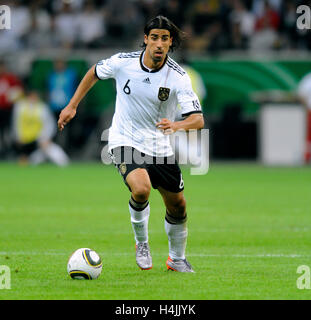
[147, 70]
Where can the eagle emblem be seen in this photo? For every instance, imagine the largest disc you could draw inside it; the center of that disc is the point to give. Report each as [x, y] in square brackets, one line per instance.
[163, 93]
[122, 168]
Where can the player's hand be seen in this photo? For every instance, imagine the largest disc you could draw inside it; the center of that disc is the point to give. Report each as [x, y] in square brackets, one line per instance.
[167, 126]
[65, 116]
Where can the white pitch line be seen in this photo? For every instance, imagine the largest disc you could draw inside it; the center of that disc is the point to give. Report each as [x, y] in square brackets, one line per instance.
[267, 255]
[204, 255]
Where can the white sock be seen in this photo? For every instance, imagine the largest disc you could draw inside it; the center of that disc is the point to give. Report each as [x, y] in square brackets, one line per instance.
[139, 218]
[177, 239]
[56, 154]
[37, 157]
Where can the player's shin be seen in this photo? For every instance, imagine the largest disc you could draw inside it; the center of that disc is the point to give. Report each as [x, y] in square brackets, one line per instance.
[140, 212]
[177, 232]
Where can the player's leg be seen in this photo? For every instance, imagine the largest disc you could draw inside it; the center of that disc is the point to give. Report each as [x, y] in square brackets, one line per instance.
[55, 153]
[139, 183]
[137, 179]
[175, 222]
[176, 229]
[140, 186]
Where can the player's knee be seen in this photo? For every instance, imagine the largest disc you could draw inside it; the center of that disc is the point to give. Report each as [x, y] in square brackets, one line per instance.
[178, 208]
[141, 192]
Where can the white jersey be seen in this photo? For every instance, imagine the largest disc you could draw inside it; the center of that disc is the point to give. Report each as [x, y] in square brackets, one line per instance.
[144, 97]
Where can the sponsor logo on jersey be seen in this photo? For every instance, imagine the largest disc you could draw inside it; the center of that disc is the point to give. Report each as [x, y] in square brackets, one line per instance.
[147, 80]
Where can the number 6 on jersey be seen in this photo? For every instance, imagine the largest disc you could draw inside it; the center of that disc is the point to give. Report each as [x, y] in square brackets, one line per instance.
[126, 88]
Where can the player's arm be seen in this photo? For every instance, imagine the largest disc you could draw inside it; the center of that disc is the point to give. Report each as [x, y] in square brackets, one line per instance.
[193, 121]
[190, 107]
[70, 110]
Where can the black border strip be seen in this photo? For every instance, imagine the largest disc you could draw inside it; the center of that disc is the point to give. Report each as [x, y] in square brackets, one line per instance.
[191, 112]
[95, 72]
[145, 69]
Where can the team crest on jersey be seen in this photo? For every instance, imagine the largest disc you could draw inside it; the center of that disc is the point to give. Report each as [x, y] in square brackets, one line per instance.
[163, 93]
[122, 168]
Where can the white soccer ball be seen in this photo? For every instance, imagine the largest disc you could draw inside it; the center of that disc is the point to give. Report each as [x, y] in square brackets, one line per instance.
[84, 263]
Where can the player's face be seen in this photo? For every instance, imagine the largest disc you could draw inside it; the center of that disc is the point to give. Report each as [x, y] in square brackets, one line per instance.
[158, 43]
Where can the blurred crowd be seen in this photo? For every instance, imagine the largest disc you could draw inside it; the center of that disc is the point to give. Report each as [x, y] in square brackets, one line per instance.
[28, 118]
[28, 121]
[211, 25]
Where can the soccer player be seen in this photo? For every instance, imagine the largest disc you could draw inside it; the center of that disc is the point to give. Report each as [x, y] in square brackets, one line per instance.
[150, 85]
[33, 129]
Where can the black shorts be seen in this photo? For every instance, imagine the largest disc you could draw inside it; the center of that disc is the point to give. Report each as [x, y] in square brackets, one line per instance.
[163, 171]
[27, 148]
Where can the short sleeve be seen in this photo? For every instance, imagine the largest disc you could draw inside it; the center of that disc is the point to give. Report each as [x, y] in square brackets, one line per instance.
[106, 68]
[187, 98]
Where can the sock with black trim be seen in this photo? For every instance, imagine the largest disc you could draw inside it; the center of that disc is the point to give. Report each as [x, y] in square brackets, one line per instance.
[140, 212]
[177, 233]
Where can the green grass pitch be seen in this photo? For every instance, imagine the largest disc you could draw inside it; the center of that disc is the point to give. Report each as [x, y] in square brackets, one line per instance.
[249, 230]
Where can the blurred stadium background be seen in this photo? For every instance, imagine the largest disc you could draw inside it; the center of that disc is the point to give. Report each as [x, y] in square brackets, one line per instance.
[249, 217]
[249, 55]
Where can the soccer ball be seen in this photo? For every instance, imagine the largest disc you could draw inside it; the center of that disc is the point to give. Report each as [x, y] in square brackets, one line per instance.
[84, 263]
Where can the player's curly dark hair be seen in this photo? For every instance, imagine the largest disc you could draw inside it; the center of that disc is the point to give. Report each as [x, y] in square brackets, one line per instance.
[161, 22]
